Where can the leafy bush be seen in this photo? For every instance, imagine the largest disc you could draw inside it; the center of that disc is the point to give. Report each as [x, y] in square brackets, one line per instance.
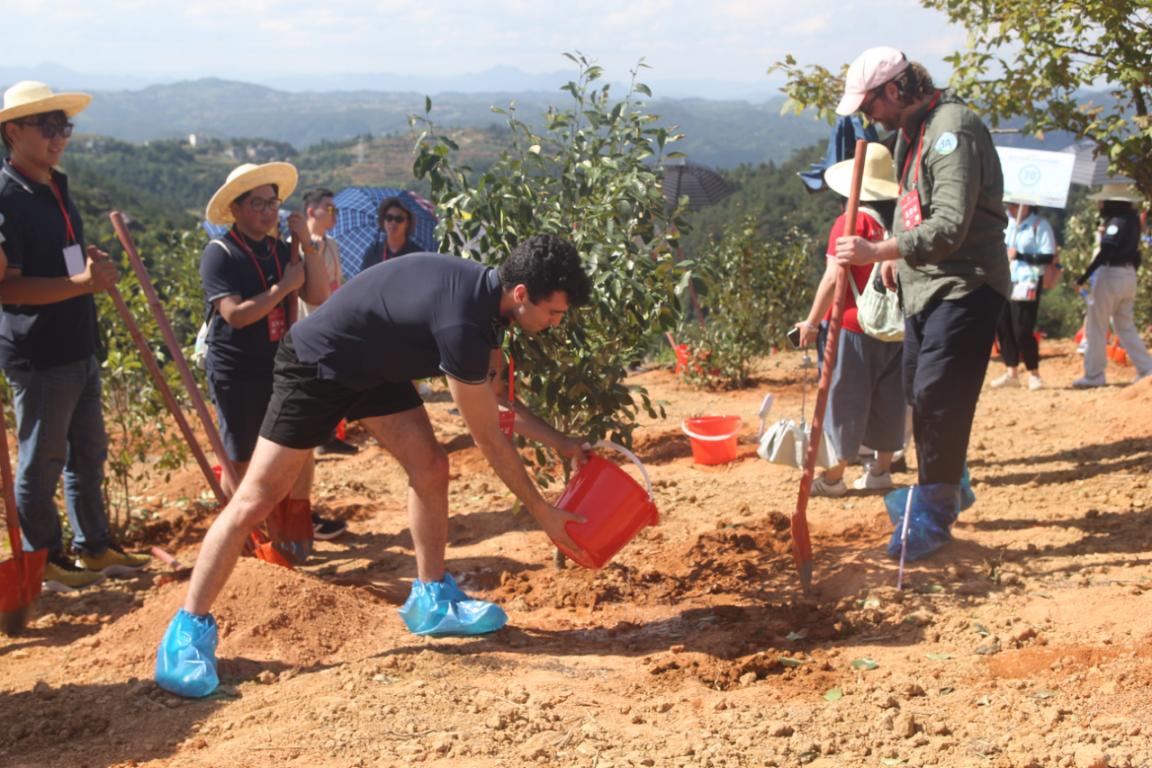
[755, 286]
[587, 174]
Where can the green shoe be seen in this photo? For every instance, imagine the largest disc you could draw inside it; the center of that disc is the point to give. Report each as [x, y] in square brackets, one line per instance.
[60, 575]
[114, 561]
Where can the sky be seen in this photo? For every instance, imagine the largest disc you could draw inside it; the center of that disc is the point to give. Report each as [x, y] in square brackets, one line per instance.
[690, 45]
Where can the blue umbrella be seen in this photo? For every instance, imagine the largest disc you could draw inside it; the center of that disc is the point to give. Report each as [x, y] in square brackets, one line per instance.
[357, 223]
[841, 146]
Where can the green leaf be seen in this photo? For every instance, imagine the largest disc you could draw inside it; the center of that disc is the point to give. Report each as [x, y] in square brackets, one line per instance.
[834, 694]
[864, 663]
[797, 635]
[788, 661]
[938, 656]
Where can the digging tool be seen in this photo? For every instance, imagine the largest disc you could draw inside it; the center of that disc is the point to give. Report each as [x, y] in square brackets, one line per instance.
[801, 543]
[20, 577]
[262, 547]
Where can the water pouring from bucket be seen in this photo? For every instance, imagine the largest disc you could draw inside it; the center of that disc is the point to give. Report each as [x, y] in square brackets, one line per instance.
[614, 505]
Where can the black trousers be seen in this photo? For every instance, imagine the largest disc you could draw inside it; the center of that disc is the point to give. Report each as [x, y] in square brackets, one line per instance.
[1017, 334]
[946, 351]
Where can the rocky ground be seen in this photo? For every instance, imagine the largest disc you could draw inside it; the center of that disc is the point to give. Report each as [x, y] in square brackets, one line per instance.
[1024, 643]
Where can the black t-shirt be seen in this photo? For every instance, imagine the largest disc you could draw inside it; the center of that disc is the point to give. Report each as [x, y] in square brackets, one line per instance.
[409, 318]
[227, 270]
[1120, 240]
[40, 336]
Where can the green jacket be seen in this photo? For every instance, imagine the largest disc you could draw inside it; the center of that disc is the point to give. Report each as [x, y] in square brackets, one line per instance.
[959, 246]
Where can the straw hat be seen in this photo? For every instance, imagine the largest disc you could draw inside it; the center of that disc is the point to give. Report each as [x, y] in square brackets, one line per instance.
[30, 97]
[245, 178]
[879, 175]
[1124, 192]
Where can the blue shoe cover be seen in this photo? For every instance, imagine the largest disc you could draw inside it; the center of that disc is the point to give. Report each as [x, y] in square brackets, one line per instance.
[967, 495]
[440, 608]
[186, 659]
[934, 510]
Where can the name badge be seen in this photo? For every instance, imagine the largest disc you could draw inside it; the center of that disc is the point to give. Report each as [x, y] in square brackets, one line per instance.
[277, 323]
[910, 210]
[74, 260]
[507, 422]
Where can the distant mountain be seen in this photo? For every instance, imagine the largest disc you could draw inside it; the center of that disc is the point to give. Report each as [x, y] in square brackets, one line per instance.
[718, 133]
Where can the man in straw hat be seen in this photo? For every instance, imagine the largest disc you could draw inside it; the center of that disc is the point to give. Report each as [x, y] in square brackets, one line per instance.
[866, 400]
[251, 281]
[48, 341]
[1113, 291]
[356, 357]
[948, 260]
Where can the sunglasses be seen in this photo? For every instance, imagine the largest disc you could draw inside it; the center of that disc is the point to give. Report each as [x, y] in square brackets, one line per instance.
[394, 218]
[870, 99]
[49, 129]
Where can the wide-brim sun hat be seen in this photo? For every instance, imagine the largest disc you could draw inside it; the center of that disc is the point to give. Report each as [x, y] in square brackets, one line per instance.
[1123, 192]
[245, 178]
[872, 68]
[31, 97]
[879, 181]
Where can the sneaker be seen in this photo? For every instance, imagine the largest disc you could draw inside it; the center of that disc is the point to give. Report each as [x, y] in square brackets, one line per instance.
[1035, 382]
[324, 528]
[1086, 383]
[871, 482]
[337, 447]
[61, 575]
[822, 487]
[113, 562]
[1006, 379]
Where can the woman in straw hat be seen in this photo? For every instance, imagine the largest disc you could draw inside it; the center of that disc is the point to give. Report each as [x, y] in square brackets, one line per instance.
[866, 400]
[251, 279]
[1113, 291]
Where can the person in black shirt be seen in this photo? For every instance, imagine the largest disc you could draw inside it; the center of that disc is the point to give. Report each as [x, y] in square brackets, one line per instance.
[356, 357]
[49, 343]
[1113, 291]
[395, 236]
[250, 284]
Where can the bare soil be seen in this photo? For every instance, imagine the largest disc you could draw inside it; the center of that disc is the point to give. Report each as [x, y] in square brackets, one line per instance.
[1023, 643]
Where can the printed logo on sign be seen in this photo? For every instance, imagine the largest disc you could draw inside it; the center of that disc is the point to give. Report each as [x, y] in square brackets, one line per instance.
[1029, 175]
[946, 144]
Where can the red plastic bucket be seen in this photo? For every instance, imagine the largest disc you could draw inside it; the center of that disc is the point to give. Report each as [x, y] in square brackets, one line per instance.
[616, 508]
[713, 438]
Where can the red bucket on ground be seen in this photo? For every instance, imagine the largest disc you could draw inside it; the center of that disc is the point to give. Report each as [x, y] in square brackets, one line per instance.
[713, 438]
[615, 506]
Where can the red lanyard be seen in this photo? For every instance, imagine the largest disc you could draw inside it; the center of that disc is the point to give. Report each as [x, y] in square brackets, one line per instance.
[511, 380]
[71, 233]
[919, 147]
[252, 256]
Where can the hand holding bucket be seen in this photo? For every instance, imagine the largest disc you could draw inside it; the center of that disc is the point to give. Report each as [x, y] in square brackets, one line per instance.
[614, 505]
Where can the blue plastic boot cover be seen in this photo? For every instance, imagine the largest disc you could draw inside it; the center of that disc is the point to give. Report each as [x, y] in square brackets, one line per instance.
[440, 608]
[967, 495]
[186, 659]
[934, 510]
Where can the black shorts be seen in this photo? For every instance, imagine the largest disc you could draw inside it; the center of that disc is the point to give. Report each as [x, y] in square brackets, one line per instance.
[305, 408]
[240, 404]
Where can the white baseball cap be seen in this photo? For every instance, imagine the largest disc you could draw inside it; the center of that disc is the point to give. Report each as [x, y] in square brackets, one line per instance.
[872, 68]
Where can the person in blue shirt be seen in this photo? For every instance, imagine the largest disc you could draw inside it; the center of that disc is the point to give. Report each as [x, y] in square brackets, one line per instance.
[1031, 247]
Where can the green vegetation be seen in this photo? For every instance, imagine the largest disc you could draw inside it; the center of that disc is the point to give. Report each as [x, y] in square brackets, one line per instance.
[588, 176]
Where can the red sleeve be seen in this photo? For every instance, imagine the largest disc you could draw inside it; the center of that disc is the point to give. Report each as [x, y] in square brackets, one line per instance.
[835, 232]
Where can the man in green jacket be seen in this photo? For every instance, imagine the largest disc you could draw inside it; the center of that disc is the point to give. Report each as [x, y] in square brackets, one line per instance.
[948, 261]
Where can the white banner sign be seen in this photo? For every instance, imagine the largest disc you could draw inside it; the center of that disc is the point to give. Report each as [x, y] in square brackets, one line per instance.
[1036, 177]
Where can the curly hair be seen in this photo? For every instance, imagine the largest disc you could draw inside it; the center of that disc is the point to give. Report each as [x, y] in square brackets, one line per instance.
[914, 83]
[545, 264]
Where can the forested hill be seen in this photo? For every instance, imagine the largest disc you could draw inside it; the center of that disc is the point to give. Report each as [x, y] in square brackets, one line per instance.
[718, 133]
